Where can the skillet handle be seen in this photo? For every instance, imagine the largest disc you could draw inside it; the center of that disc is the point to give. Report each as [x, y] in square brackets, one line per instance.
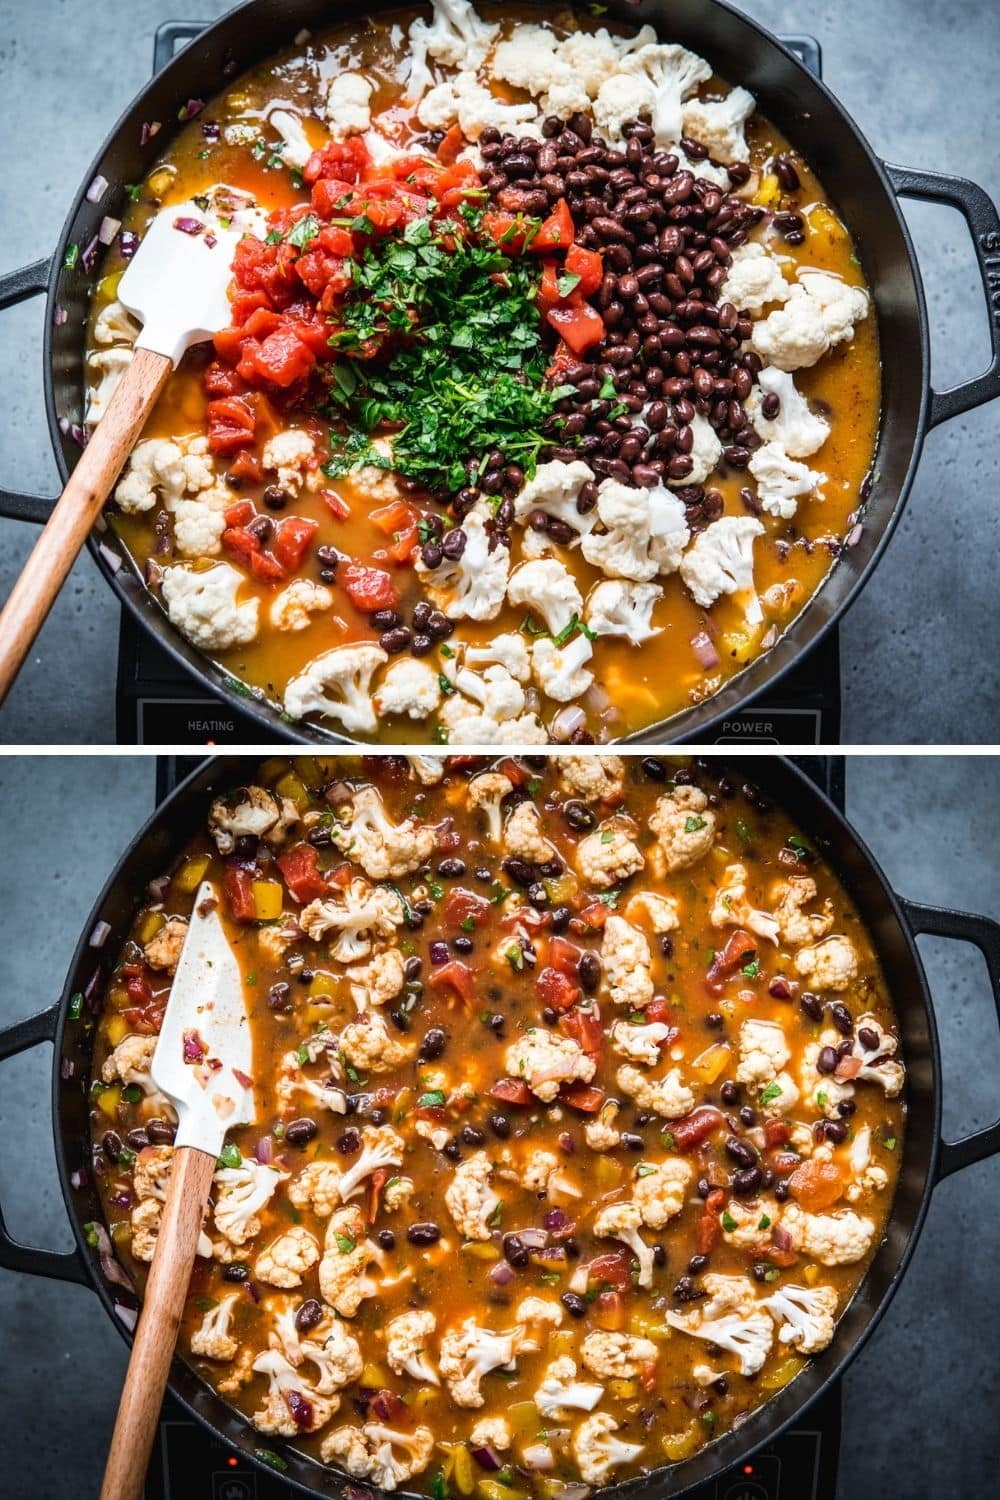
[18, 286]
[981, 215]
[984, 934]
[14, 1256]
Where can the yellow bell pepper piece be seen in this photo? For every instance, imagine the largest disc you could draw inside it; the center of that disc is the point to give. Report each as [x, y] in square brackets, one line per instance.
[292, 787]
[523, 1416]
[625, 1390]
[107, 1102]
[191, 873]
[781, 1374]
[375, 1375]
[491, 1489]
[822, 220]
[681, 1445]
[322, 983]
[149, 926]
[741, 644]
[268, 899]
[710, 1064]
[645, 1325]
[607, 1172]
[463, 1474]
[769, 191]
[480, 1250]
[116, 1030]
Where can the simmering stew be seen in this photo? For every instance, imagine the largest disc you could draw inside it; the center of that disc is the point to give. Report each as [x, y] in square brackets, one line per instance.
[579, 1114]
[550, 390]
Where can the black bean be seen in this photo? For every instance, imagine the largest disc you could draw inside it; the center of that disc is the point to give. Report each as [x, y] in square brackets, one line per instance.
[301, 1132]
[432, 554]
[387, 1239]
[836, 1131]
[841, 1017]
[160, 1133]
[812, 1005]
[868, 1038]
[473, 1136]
[433, 1045]
[423, 1234]
[349, 1142]
[748, 1116]
[421, 645]
[137, 1139]
[714, 1020]
[632, 1142]
[697, 1264]
[394, 641]
[236, 1271]
[747, 1182]
[308, 1314]
[499, 1124]
[112, 1145]
[589, 972]
[741, 1151]
[574, 1304]
[515, 1251]
[729, 1092]
[451, 868]
[519, 871]
[826, 1061]
[275, 498]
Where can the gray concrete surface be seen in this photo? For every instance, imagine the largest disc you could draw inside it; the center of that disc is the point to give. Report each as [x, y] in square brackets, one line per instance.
[920, 79]
[921, 1399]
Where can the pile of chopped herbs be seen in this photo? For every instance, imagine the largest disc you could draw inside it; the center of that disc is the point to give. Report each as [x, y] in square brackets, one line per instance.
[461, 363]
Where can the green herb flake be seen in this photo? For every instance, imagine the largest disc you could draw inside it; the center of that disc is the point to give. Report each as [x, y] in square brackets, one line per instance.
[607, 391]
[728, 1222]
[469, 924]
[90, 1234]
[272, 1460]
[71, 257]
[567, 283]
[439, 1486]
[302, 1054]
[515, 958]
[743, 833]
[346, 1243]
[230, 1156]
[772, 1273]
[76, 1006]
[765, 1096]
[205, 1304]
[607, 837]
[752, 969]
[763, 1222]
[131, 1093]
[667, 1137]
[433, 1099]
[644, 1171]
[693, 825]
[889, 1142]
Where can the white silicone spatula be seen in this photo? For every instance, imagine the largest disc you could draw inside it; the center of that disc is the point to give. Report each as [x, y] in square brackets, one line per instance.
[204, 1064]
[175, 285]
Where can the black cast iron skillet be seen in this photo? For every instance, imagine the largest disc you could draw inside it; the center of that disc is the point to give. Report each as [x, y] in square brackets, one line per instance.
[927, 1157]
[863, 187]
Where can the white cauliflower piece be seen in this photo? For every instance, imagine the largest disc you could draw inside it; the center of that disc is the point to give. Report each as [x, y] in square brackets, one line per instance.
[597, 1451]
[617, 1355]
[409, 687]
[660, 1188]
[878, 1064]
[163, 951]
[359, 913]
[337, 685]
[667, 1096]
[672, 73]
[212, 1339]
[608, 855]
[839, 1239]
[731, 906]
[821, 1090]
[796, 926]
[705, 452]
[749, 1223]
[508, 651]
[538, 1311]
[470, 1352]
[763, 1053]
[806, 1316]
[595, 55]
[295, 148]
[317, 1187]
[545, 1174]
[554, 490]
[523, 836]
[531, 60]
[639, 1043]
[287, 455]
[292, 608]
[731, 1318]
[249, 812]
[130, 1062]
[841, 305]
[659, 911]
[380, 1147]
[797, 430]
[115, 325]
[626, 964]
[455, 36]
[646, 532]
[378, 981]
[754, 279]
[546, 1061]
[470, 1199]
[561, 1391]
[601, 1133]
[199, 524]
[371, 1451]
[287, 1259]
[384, 849]
[820, 313]
[625, 609]
[367, 1045]
[486, 793]
[684, 825]
[622, 1221]
[348, 105]
[203, 605]
[347, 1255]
[720, 561]
[561, 671]
[621, 99]
[467, 725]
[471, 587]
[105, 369]
[406, 1339]
[596, 778]
[275, 1416]
[718, 124]
[428, 769]
[492, 1432]
[548, 589]
[867, 1176]
[782, 481]
[165, 470]
[465, 99]
[241, 1193]
[828, 965]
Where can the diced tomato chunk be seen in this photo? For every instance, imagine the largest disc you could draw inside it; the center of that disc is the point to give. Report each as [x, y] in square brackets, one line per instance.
[611, 1270]
[696, 1127]
[458, 978]
[339, 160]
[292, 541]
[565, 956]
[231, 424]
[584, 1027]
[237, 888]
[556, 232]
[739, 946]
[464, 909]
[708, 1229]
[557, 989]
[586, 264]
[511, 1091]
[399, 522]
[451, 145]
[299, 871]
[240, 514]
[138, 988]
[283, 358]
[578, 323]
[582, 1096]
[369, 589]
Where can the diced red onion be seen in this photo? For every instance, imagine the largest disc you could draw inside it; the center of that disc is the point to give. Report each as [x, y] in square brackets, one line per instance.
[264, 1150]
[60, 316]
[103, 1245]
[704, 649]
[89, 255]
[598, 697]
[188, 226]
[210, 240]
[112, 559]
[533, 1239]
[502, 1274]
[781, 1238]
[91, 989]
[855, 534]
[78, 435]
[190, 109]
[538, 1456]
[127, 1315]
[487, 1458]
[66, 1069]
[100, 934]
[193, 1047]
[303, 36]
[112, 1271]
[355, 1492]
[251, 1291]
[158, 888]
[97, 189]
[243, 1079]
[128, 243]
[64, 426]
[149, 129]
[108, 229]
[555, 1218]
[78, 1179]
[567, 721]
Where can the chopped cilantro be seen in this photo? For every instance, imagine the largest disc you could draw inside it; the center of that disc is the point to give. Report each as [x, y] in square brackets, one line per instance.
[439, 1486]
[346, 1243]
[693, 825]
[743, 833]
[772, 1273]
[134, 190]
[446, 687]
[611, 899]
[763, 1222]
[302, 1054]
[566, 283]
[767, 1094]
[132, 1093]
[752, 969]
[515, 957]
[90, 1234]
[607, 837]
[71, 257]
[667, 1137]
[607, 391]
[728, 1222]
[644, 1171]
[469, 924]
[273, 237]
[230, 1156]
[889, 1142]
[436, 889]
[496, 1217]
[498, 893]
[433, 1099]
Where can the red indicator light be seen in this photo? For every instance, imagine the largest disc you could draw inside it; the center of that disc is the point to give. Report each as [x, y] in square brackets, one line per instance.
[748, 1468]
[232, 1462]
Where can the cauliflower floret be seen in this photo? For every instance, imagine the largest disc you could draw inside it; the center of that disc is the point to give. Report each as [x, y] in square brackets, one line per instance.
[718, 124]
[470, 587]
[671, 73]
[487, 792]
[595, 778]
[377, 982]
[338, 1357]
[731, 1318]
[601, 1133]
[471, 724]
[145, 1225]
[877, 1057]
[471, 1200]
[797, 430]
[806, 1314]
[295, 147]
[492, 1432]
[626, 964]
[470, 1352]
[523, 836]
[625, 609]
[428, 769]
[199, 524]
[621, 99]
[499, 698]
[731, 906]
[105, 369]
[130, 1062]
[347, 1254]
[291, 609]
[685, 826]
[821, 1090]
[639, 1043]
[287, 454]
[868, 1178]
[348, 105]
[754, 279]
[409, 687]
[560, 1390]
[359, 913]
[290, 1082]
[538, 1311]
[151, 1173]
[763, 1052]
[287, 1259]
[554, 490]
[160, 469]
[475, 107]
[617, 1355]
[841, 305]
[622, 1221]
[367, 1045]
[455, 36]
[381, 1147]
[667, 1096]
[828, 965]
[241, 1194]
[750, 1223]
[597, 1450]
[163, 951]
[820, 312]
[377, 480]
[781, 480]
[659, 911]
[549, 589]
[595, 55]
[203, 605]
[705, 452]
[370, 1452]
[406, 1340]
[532, 60]
[839, 1239]
[212, 1339]
[384, 849]
[284, 1382]
[317, 1187]
[546, 1061]
[337, 685]
[720, 561]
[659, 1189]
[560, 671]
[115, 325]
[608, 855]
[545, 1174]
[779, 1096]
[796, 926]
[249, 812]
[508, 651]
[646, 532]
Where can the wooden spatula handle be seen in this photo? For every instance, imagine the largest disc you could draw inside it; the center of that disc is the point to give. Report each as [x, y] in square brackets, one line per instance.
[77, 508]
[159, 1322]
